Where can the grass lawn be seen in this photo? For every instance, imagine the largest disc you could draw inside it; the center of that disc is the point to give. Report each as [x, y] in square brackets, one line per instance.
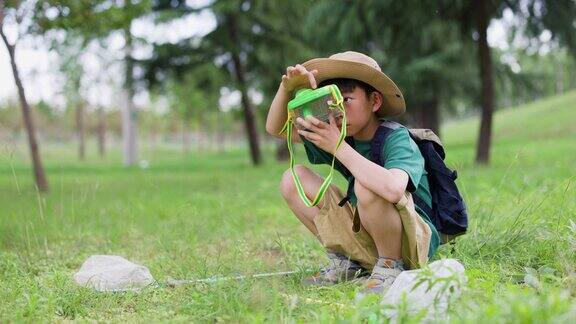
[197, 216]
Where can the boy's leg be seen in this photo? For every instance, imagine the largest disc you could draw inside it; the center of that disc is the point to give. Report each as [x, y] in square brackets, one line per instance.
[311, 182]
[340, 267]
[382, 221]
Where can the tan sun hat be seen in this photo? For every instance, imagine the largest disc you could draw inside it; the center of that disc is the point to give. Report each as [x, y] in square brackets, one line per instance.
[354, 65]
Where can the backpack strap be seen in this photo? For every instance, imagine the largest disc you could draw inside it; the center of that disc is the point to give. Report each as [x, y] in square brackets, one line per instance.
[419, 135]
[378, 143]
[379, 140]
[346, 173]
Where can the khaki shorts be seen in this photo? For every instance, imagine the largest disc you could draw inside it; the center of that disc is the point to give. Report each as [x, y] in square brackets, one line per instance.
[340, 230]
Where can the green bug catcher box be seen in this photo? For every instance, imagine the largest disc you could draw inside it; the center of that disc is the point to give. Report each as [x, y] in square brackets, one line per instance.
[320, 103]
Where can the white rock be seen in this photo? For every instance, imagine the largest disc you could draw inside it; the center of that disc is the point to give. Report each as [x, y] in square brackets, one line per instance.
[112, 273]
[431, 289]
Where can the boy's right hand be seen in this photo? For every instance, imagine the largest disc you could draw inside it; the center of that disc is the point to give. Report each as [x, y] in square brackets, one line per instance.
[297, 77]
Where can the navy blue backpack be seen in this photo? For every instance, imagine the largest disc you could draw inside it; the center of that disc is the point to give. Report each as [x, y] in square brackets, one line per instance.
[448, 212]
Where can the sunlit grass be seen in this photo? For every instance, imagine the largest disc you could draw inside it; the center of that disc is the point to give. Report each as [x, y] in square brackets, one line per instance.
[212, 214]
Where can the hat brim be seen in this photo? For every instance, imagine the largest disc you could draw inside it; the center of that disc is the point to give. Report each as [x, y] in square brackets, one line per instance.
[393, 100]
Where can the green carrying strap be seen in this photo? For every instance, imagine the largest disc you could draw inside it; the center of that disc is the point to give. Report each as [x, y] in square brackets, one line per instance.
[338, 104]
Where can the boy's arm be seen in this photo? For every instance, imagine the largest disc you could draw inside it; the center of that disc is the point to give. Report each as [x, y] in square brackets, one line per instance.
[389, 184]
[296, 77]
[277, 114]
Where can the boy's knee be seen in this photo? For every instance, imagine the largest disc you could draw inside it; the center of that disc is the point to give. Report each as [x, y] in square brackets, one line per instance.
[364, 195]
[287, 185]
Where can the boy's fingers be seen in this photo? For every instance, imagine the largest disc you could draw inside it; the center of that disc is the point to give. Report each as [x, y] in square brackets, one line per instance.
[331, 120]
[312, 80]
[301, 69]
[311, 124]
[304, 123]
[315, 121]
[311, 136]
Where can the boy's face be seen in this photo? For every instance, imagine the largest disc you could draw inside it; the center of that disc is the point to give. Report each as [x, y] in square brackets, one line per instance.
[359, 108]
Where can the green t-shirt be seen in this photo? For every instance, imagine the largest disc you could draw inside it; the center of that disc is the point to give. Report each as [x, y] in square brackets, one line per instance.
[400, 152]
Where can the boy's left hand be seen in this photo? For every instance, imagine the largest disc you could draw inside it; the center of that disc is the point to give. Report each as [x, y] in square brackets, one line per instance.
[321, 134]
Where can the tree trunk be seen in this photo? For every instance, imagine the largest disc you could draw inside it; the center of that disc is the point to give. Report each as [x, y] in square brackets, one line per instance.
[559, 77]
[200, 126]
[487, 100]
[282, 153]
[80, 129]
[39, 174]
[153, 138]
[427, 115]
[249, 119]
[186, 136]
[101, 132]
[129, 114]
[221, 135]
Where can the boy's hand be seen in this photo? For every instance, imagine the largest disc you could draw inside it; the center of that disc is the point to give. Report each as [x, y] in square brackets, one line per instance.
[298, 77]
[321, 134]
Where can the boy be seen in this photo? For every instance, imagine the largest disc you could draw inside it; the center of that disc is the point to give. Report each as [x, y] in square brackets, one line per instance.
[375, 229]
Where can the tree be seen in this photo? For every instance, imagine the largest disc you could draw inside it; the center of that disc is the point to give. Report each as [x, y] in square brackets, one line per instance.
[189, 79]
[129, 114]
[70, 50]
[102, 124]
[17, 12]
[228, 41]
[97, 20]
[557, 16]
[474, 17]
[229, 44]
[188, 103]
[253, 42]
[101, 131]
[279, 42]
[420, 51]
[428, 59]
[482, 12]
